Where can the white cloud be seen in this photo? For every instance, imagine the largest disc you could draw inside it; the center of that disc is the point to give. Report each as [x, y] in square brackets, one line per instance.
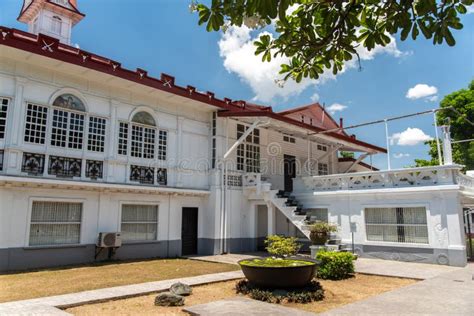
[423, 91]
[470, 9]
[238, 53]
[315, 97]
[409, 137]
[336, 107]
[400, 155]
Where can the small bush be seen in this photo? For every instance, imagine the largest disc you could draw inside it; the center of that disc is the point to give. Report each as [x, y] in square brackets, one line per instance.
[335, 265]
[308, 294]
[282, 246]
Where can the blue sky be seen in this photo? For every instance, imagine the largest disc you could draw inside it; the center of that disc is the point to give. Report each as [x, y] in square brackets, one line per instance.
[163, 36]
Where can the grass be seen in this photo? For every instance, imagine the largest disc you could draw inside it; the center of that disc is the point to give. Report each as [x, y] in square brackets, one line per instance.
[337, 293]
[26, 285]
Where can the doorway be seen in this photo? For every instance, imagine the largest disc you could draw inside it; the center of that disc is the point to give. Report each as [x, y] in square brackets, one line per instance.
[289, 171]
[262, 226]
[468, 216]
[189, 231]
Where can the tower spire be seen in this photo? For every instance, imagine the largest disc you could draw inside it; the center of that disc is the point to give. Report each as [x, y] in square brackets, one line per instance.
[55, 18]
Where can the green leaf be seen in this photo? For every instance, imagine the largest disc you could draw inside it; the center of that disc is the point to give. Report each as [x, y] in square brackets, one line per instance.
[414, 32]
[449, 37]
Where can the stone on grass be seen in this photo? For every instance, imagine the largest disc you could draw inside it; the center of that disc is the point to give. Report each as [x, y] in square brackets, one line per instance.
[181, 289]
[169, 299]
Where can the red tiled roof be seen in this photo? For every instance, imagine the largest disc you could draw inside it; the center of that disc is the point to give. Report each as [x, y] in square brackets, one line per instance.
[344, 159]
[51, 47]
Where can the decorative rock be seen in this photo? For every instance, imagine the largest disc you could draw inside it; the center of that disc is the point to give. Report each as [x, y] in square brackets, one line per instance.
[169, 299]
[181, 289]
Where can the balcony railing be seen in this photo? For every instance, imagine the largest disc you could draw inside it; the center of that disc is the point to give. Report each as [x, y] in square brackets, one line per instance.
[409, 177]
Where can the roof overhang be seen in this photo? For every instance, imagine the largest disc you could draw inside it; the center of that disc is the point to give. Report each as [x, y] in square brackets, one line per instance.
[30, 182]
[290, 126]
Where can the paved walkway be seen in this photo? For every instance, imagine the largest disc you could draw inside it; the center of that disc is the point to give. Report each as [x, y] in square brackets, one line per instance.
[47, 305]
[451, 293]
[241, 306]
[401, 269]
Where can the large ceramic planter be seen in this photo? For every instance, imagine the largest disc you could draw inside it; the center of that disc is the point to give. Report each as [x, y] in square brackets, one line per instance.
[280, 277]
[319, 238]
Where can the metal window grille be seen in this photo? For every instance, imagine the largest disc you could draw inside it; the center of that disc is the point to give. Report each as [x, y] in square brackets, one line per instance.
[76, 130]
[33, 164]
[3, 117]
[123, 139]
[59, 129]
[162, 144]
[397, 224]
[64, 166]
[144, 175]
[55, 223]
[139, 222]
[35, 126]
[96, 135]
[323, 169]
[248, 153]
[233, 180]
[94, 169]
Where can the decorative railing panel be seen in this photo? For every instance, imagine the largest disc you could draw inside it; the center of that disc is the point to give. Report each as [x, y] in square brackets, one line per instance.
[64, 167]
[144, 175]
[33, 164]
[94, 169]
[410, 177]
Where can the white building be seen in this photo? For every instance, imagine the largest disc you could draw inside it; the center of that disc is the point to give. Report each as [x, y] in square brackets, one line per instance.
[87, 146]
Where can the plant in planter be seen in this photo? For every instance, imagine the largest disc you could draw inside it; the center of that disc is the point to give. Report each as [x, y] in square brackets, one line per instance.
[280, 246]
[319, 232]
[279, 271]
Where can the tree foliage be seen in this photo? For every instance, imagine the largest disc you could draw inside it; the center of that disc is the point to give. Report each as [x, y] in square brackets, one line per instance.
[463, 103]
[319, 35]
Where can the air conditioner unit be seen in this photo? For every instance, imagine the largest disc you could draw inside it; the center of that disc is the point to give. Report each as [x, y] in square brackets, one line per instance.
[109, 240]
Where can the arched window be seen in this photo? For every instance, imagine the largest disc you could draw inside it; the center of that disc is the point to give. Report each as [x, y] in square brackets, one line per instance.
[141, 133]
[56, 25]
[68, 122]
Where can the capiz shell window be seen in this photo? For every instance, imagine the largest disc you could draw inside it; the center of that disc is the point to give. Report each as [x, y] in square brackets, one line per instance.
[397, 224]
[55, 223]
[139, 222]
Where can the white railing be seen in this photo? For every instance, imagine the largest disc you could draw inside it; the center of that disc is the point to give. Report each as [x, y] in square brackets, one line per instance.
[465, 181]
[409, 177]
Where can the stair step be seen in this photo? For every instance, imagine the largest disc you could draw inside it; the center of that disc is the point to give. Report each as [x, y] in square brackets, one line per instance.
[334, 242]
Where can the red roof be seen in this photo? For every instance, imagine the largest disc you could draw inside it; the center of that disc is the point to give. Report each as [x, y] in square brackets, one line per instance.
[313, 114]
[366, 165]
[51, 47]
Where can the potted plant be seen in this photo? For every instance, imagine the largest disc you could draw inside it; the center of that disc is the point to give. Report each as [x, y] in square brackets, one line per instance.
[319, 232]
[283, 269]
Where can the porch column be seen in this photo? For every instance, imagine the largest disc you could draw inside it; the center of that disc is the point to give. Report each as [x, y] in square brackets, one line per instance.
[271, 219]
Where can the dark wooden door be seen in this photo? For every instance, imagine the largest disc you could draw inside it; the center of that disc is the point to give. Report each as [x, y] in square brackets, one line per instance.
[189, 231]
[289, 171]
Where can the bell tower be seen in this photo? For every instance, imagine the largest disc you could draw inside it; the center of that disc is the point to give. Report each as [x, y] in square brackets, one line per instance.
[54, 18]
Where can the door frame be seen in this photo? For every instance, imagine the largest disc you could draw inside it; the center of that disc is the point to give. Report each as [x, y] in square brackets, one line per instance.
[196, 210]
[289, 161]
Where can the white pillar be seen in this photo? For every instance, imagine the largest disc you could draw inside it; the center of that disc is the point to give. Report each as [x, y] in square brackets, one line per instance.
[388, 145]
[447, 151]
[270, 219]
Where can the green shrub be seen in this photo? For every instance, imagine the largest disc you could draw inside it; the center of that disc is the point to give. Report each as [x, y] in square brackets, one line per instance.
[281, 246]
[311, 292]
[335, 265]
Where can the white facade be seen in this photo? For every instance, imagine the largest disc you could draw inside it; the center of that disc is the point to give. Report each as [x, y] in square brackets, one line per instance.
[90, 147]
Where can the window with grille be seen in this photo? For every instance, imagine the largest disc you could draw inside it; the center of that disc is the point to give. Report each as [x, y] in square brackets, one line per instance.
[96, 136]
[248, 153]
[64, 167]
[33, 164]
[289, 139]
[35, 126]
[94, 169]
[67, 129]
[142, 142]
[56, 25]
[141, 174]
[162, 144]
[397, 224]
[55, 223]
[139, 222]
[323, 169]
[322, 147]
[123, 139]
[317, 214]
[3, 117]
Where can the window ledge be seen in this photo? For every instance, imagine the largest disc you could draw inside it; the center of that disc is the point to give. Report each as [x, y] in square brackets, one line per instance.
[55, 247]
